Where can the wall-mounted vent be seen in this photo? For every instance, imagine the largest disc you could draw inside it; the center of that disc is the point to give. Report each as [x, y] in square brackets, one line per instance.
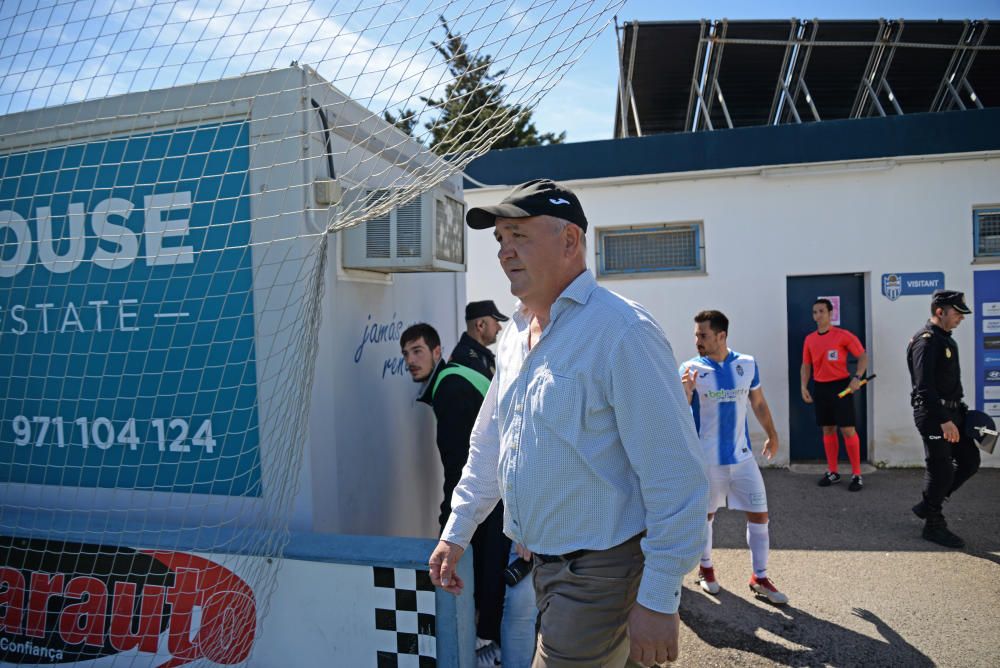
[426, 233]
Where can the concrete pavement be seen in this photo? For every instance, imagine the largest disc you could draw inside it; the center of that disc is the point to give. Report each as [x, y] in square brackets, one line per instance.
[865, 588]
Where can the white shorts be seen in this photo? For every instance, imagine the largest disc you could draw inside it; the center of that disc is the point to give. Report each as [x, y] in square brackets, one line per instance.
[740, 484]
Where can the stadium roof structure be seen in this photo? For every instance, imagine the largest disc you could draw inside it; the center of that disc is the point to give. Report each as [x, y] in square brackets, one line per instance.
[686, 76]
[875, 139]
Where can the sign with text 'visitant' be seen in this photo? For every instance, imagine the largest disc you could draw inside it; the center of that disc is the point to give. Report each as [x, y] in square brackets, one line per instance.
[895, 286]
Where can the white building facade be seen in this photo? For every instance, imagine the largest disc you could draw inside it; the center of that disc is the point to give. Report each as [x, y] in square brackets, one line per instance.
[874, 213]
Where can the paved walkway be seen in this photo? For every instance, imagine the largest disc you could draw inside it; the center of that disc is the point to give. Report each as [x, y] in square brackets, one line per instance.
[865, 588]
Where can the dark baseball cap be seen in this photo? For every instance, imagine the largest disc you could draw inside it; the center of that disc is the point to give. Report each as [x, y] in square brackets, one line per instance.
[541, 197]
[482, 309]
[952, 298]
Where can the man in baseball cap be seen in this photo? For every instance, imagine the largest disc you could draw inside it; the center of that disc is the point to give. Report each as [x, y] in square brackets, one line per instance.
[571, 438]
[541, 197]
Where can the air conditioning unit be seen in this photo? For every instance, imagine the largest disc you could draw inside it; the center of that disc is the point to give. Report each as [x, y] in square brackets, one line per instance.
[425, 234]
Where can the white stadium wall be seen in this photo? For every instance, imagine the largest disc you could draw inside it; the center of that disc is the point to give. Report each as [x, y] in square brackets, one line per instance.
[229, 398]
[764, 225]
[372, 466]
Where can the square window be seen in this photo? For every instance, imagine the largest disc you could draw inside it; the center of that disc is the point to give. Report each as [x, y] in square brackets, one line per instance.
[674, 247]
[986, 231]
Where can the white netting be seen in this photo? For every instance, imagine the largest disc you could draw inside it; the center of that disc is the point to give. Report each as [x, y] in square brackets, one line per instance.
[170, 174]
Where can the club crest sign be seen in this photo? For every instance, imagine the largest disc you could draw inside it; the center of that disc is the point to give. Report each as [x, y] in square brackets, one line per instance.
[892, 286]
[895, 286]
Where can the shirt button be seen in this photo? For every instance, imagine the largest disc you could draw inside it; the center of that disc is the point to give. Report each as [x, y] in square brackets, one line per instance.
[518, 407]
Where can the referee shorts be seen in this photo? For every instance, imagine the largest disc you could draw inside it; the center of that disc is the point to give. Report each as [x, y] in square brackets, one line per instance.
[831, 410]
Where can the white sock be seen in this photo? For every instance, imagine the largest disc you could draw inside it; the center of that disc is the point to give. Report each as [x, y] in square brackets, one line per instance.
[759, 543]
[706, 555]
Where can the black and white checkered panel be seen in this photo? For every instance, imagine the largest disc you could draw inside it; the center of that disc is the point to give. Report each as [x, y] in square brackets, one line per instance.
[404, 618]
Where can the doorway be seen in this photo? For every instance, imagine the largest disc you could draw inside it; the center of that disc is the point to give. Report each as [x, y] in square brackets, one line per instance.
[847, 292]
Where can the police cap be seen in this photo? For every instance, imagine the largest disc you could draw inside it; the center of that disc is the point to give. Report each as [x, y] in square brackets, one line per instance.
[952, 298]
[482, 309]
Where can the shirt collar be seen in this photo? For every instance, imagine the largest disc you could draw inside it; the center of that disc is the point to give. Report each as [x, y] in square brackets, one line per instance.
[467, 340]
[579, 291]
[730, 356]
[935, 328]
[425, 394]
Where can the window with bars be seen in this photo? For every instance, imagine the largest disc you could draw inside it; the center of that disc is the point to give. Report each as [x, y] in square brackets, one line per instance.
[986, 232]
[673, 247]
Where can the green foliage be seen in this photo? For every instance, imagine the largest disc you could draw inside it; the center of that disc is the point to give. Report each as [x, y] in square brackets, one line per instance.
[472, 107]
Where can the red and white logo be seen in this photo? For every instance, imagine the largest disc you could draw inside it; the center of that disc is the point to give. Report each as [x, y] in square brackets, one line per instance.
[63, 602]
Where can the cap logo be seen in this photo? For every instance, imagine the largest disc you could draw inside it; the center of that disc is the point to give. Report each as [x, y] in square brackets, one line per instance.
[558, 201]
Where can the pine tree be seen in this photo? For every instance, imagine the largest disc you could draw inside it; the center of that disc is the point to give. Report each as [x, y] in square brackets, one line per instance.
[472, 101]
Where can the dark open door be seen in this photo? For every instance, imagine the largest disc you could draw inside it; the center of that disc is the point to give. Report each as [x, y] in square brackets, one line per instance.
[806, 437]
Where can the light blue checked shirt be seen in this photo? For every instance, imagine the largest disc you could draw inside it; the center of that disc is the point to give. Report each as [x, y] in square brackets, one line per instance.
[589, 440]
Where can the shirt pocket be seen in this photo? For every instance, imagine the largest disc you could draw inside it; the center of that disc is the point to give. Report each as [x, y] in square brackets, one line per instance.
[555, 406]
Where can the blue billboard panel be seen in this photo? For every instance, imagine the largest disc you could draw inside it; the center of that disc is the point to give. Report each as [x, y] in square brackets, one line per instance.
[986, 305]
[127, 355]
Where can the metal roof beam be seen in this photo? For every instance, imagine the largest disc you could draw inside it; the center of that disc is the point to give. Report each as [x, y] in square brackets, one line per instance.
[810, 27]
[873, 57]
[701, 99]
[718, 45]
[631, 69]
[784, 72]
[725, 107]
[883, 71]
[809, 100]
[954, 64]
[979, 30]
[892, 97]
[972, 94]
[696, 75]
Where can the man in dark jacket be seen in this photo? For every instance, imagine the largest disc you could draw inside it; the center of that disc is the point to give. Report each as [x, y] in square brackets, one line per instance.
[482, 325]
[939, 413]
[456, 392]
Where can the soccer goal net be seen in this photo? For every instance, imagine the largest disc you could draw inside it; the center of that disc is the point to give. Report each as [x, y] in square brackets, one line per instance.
[171, 174]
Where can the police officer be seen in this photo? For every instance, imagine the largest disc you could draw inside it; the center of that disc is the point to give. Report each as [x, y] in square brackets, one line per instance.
[939, 413]
[482, 324]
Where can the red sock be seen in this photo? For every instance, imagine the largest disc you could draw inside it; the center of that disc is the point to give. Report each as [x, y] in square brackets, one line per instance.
[853, 446]
[831, 445]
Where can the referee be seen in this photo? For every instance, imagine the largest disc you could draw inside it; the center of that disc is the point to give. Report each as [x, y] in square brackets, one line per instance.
[824, 357]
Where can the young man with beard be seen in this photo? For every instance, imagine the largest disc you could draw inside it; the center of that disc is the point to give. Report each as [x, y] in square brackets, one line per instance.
[720, 386]
[455, 392]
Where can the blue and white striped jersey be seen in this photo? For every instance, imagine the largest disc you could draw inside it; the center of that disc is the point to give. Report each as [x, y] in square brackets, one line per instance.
[719, 404]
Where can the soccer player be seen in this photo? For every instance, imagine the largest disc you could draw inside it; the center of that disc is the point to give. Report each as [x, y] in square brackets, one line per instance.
[720, 384]
[824, 357]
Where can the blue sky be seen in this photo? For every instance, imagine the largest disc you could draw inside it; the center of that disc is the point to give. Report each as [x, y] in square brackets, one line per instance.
[595, 77]
[377, 51]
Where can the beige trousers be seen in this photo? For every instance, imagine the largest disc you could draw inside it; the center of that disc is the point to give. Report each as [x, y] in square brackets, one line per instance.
[583, 608]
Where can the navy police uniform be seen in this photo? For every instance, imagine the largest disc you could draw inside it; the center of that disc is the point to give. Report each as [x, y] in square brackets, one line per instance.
[936, 397]
[472, 353]
[456, 403]
[469, 352]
